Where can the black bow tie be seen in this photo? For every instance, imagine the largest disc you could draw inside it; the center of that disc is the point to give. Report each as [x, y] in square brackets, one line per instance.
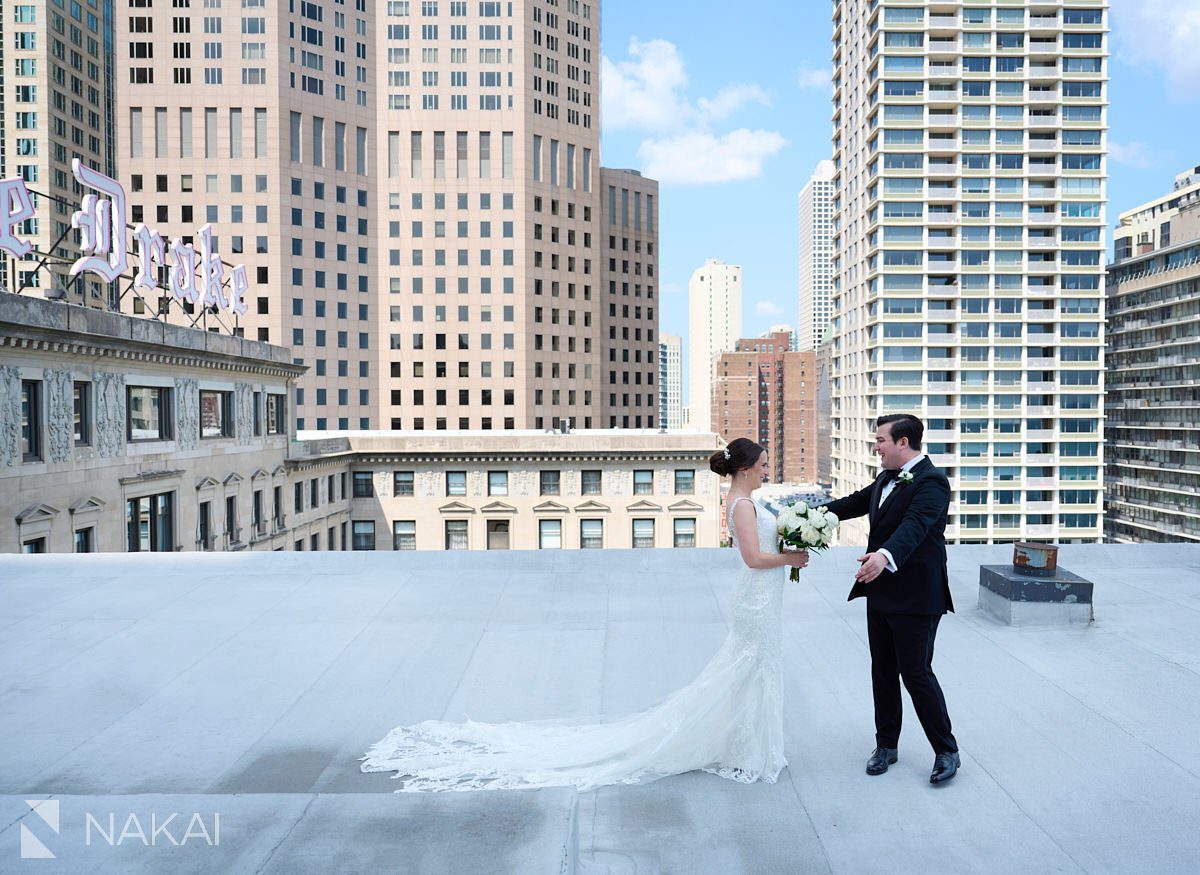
[890, 474]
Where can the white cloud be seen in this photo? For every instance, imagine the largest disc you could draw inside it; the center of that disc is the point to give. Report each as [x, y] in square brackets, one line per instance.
[1163, 33]
[1134, 153]
[696, 158]
[813, 78]
[767, 308]
[729, 100]
[648, 92]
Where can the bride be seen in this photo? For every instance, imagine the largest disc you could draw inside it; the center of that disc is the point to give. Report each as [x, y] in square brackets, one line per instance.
[728, 721]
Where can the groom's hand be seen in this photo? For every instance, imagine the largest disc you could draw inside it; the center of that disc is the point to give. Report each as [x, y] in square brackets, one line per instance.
[872, 566]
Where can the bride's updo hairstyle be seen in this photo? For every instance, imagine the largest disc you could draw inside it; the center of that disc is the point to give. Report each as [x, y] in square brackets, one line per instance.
[738, 454]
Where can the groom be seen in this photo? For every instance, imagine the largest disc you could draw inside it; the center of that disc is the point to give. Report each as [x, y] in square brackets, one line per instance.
[904, 577]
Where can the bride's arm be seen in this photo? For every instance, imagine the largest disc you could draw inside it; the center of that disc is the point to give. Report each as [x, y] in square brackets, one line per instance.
[746, 526]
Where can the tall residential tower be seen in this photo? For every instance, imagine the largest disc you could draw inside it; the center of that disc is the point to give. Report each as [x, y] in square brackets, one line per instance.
[670, 381]
[1152, 404]
[969, 144]
[56, 91]
[714, 325]
[816, 256]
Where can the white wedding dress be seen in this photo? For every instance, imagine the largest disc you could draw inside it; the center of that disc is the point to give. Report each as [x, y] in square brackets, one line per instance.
[728, 721]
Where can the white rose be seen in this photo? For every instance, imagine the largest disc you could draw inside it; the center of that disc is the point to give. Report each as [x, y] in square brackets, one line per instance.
[800, 507]
[809, 534]
[831, 518]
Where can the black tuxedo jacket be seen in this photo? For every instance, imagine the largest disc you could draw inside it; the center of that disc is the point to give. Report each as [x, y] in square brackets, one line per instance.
[911, 526]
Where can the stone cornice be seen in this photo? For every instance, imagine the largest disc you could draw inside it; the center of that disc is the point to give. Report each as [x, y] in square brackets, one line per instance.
[68, 344]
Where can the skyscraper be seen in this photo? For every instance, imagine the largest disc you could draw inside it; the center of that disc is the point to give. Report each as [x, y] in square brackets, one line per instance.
[969, 214]
[415, 190]
[1152, 403]
[714, 325]
[258, 119]
[816, 255]
[670, 381]
[57, 97]
[629, 247]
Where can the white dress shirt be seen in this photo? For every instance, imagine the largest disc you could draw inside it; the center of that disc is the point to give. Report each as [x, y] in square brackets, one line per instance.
[883, 496]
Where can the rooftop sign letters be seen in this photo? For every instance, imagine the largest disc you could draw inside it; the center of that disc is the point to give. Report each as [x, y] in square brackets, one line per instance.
[197, 274]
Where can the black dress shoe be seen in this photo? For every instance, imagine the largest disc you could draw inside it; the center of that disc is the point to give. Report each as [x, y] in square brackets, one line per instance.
[881, 759]
[945, 767]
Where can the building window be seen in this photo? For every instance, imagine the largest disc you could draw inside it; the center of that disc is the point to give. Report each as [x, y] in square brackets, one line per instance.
[31, 420]
[83, 416]
[277, 508]
[148, 416]
[258, 423]
[456, 535]
[497, 534]
[456, 483]
[403, 483]
[591, 534]
[150, 523]
[258, 519]
[685, 533]
[591, 482]
[216, 414]
[204, 526]
[549, 482]
[363, 487]
[643, 533]
[643, 482]
[276, 404]
[233, 532]
[549, 534]
[85, 540]
[685, 482]
[404, 535]
[497, 483]
[364, 534]
[34, 545]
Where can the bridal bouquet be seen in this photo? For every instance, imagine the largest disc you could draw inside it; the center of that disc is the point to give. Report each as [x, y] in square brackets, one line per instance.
[804, 528]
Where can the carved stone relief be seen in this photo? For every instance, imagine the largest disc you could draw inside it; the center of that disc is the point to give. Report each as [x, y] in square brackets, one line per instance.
[383, 483]
[477, 485]
[187, 411]
[525, 482]
[243, 405]
[664, 479]
[570, 482]
[619, 480]
[426, 484]
[60, 414]
[109, 389]
[10, 415]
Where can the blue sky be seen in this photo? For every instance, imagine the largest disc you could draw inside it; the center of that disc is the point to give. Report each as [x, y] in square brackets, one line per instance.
[731, 112]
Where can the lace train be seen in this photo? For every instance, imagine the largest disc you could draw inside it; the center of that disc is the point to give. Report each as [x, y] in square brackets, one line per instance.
[728, 721]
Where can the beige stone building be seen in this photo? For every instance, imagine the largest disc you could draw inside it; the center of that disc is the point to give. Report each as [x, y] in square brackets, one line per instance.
[526, 490]
[258, 118]
[127, 434]
[415, 188]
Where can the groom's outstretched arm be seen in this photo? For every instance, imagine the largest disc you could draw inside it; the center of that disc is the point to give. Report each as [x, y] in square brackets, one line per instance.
[854, 505]
[930, 502]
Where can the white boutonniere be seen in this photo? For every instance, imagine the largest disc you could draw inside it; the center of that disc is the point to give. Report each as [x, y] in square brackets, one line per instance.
[905, 478]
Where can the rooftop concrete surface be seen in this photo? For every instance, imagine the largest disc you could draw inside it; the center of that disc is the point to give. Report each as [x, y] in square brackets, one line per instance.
[248, 685]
